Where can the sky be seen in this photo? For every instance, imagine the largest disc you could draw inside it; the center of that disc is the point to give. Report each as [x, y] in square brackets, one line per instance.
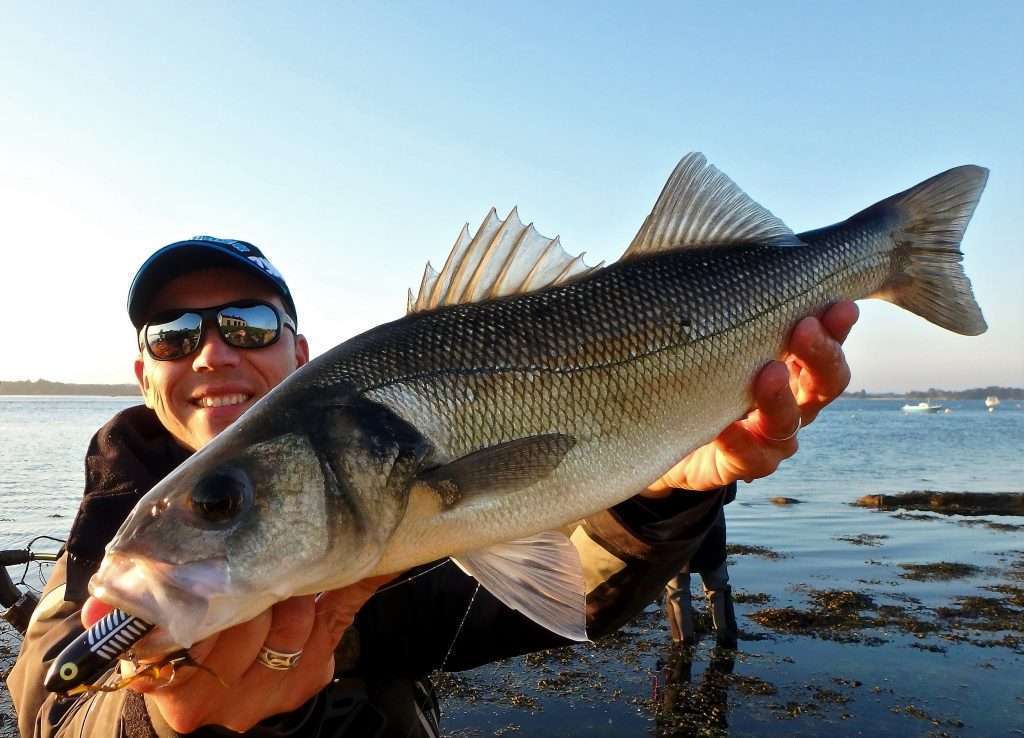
[351, 141]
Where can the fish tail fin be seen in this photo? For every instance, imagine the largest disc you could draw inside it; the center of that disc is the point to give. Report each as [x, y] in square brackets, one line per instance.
[928, 278]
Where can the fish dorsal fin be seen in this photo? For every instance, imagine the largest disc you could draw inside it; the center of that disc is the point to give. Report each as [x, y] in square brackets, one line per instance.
[503, 257]
[540, 576]
[700, 206]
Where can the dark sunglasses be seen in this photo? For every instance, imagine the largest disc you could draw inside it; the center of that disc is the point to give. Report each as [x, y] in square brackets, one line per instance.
[249, 324]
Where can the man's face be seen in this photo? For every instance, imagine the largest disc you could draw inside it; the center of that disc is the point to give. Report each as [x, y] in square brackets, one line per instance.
[199, 395]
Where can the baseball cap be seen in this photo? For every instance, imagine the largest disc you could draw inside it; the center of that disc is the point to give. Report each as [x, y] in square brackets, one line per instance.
[201, 252]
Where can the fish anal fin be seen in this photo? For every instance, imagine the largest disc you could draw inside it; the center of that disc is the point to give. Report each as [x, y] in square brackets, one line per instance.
[700, 207]
[498, 470]
[540, 576]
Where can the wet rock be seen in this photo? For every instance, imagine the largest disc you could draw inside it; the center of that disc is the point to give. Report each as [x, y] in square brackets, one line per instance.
[785, 501]
[1001, 527]
[950, 503]
[863, 539]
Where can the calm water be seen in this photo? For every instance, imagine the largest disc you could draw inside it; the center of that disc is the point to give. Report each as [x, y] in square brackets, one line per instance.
[855, 447]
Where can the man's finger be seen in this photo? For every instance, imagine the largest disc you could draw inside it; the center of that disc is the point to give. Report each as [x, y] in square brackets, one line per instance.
[335, 610]
[824, 373]
[291, 623]
[840, 318]
[777, 416]
[93, 611]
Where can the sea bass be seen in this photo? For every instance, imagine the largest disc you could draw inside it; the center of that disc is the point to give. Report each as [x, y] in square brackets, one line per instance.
[523, 391]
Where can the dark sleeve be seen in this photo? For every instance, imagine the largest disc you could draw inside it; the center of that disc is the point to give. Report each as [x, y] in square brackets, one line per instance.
[628, 553]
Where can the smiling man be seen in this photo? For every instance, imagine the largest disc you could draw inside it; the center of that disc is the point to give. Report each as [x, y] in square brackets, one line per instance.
[198, 380]
[217, 329]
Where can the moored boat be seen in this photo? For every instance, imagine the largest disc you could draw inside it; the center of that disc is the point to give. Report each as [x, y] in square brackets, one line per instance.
[922, 407]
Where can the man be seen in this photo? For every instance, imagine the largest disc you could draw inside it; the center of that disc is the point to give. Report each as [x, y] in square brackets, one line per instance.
[198, 373]
[709, 561]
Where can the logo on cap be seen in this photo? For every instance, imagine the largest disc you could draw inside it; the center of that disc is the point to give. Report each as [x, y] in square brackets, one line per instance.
[242, 248]
[266, 266]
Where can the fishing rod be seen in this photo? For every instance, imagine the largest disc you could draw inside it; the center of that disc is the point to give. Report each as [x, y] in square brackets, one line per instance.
[18, 604]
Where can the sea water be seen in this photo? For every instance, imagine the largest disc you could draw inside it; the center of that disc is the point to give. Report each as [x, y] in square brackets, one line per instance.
[855, 447]
[893, 683]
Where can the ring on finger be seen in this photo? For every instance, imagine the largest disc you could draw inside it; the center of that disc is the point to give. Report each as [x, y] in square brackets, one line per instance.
[278, 660]
[799, 425]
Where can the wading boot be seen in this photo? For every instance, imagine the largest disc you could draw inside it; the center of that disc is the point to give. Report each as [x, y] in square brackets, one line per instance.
[719, 597]
[679, 609]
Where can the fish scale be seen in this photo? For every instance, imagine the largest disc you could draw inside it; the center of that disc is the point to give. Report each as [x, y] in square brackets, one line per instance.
[638, 385]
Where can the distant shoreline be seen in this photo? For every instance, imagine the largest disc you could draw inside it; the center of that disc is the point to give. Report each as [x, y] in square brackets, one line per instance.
[44, 387]
[977, 393]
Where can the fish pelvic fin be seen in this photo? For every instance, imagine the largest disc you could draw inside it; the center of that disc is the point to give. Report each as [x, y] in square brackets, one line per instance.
[700, 207]
[931, 219]
[503, 257]
[540, 576]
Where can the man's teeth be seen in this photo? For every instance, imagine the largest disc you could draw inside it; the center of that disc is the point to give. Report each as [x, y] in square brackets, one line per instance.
[222, 400]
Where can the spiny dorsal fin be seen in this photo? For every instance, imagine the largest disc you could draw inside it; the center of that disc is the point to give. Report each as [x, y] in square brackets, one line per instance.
[503, 257]
[700, 206]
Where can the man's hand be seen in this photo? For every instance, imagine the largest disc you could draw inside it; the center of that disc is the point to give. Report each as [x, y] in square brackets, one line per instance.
[786, 396]
[245, 691]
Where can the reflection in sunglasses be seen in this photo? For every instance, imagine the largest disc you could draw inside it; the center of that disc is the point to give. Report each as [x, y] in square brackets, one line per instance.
[177, 334]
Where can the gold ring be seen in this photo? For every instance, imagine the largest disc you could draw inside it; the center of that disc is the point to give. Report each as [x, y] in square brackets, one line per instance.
[278, 660]
[799, 425]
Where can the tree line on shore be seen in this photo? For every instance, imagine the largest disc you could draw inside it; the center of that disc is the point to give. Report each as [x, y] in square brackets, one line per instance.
[934, 393]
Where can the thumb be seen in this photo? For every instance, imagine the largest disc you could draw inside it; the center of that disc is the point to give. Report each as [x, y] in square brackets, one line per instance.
[93, 610]
[335, 610]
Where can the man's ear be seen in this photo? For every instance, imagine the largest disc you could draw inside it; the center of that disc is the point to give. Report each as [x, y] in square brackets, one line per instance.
[143, 379]
[301, 350]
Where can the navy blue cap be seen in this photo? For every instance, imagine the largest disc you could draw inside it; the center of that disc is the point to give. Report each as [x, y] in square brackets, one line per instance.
[201, 252]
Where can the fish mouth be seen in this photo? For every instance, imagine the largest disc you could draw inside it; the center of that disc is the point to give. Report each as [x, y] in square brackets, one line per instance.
[175, 597]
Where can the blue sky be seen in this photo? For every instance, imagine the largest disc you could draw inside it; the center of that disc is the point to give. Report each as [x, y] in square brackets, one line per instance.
[352, 141]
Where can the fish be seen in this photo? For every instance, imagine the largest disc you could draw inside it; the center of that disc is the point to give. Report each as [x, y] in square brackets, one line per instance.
[523, 390]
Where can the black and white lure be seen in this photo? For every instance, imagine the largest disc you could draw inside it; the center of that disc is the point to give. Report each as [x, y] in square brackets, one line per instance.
[87, 657]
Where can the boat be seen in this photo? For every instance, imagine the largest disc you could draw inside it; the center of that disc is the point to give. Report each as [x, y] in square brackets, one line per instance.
[923, 407]
[991, 402]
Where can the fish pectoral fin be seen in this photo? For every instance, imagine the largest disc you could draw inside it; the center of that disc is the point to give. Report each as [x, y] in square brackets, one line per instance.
[540, 576]
[499, 469]
[503, 257]
[699, 207]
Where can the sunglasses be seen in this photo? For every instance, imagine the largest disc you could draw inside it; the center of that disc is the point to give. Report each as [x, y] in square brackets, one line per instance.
[249, 324]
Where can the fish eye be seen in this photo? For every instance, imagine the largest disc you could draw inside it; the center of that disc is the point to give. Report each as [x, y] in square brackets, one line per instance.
[221, 496]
